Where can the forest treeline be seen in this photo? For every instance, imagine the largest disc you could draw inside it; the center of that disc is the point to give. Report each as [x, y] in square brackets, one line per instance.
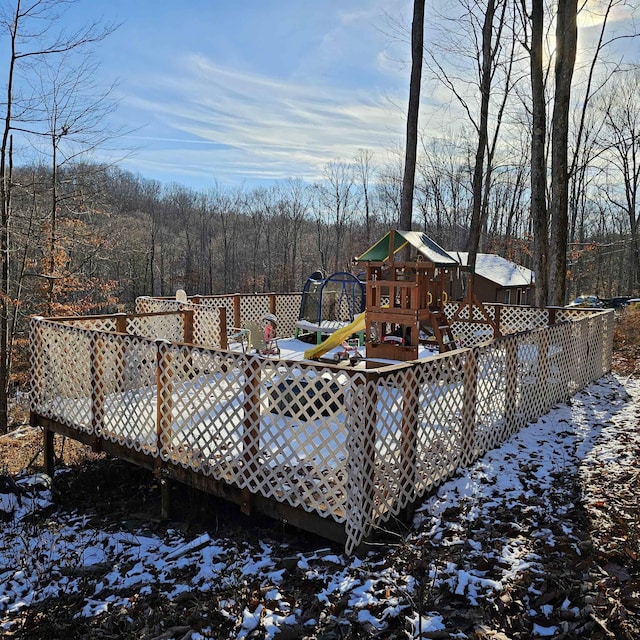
[118, 235]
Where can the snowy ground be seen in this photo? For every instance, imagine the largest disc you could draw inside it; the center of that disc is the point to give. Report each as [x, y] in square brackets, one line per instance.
[479, 551]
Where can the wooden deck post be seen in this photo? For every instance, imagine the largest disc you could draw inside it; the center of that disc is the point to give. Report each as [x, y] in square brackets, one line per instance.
[496, 328]
[165, 497]
[48, 452]
[237, 317]
[222, 319]
[187, 326]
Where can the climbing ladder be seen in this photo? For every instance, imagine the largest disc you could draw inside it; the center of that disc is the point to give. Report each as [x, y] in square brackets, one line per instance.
[442, 330]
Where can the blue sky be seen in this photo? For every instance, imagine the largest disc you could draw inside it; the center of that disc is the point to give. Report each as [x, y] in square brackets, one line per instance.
[243, 92]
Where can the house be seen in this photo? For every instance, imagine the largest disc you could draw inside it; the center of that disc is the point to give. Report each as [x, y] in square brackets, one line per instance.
[498, 279]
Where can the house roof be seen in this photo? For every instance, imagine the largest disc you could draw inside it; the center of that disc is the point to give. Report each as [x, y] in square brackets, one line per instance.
[420, 241]
[498, 269]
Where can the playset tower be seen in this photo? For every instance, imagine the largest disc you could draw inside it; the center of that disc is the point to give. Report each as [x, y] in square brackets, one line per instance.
[405, 298]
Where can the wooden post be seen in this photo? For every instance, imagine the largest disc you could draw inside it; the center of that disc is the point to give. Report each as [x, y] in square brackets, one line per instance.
[165, 496]
[237, 317]
[272, 304]
[187, 325]
[120, 355]
[222, 320]
[48, 452]
[121, 322]
[496, 328]
[251, 429]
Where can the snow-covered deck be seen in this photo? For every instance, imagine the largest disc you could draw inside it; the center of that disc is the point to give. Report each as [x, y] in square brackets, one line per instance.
[352, 444]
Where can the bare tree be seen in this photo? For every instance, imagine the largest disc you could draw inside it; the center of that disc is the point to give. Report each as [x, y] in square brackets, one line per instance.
[620, 143]
[338, 204]
[364, 169]
[31, 39]
[408, 181]
[539, 213]
[566, 48]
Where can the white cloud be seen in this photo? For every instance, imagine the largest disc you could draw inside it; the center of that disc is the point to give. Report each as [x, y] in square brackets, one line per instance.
[219, 121]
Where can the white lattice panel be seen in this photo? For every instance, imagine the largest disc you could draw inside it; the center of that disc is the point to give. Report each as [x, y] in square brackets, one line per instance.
[276, 430]
[161, 327]
[96, 323]
[124, 404]
[287, 311]
[516, 319]
[252, 308]
[61, 372]
[206, 326]
[145, 304]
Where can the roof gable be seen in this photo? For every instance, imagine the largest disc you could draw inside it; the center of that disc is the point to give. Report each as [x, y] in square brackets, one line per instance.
[498, 269]
[421, 242]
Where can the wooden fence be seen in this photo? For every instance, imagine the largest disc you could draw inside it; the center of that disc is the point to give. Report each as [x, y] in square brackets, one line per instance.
[334, 449]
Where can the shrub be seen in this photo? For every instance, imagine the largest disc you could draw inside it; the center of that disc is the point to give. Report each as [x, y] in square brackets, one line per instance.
[627, 332]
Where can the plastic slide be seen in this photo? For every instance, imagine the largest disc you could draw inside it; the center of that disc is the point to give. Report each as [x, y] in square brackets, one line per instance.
[336, 338]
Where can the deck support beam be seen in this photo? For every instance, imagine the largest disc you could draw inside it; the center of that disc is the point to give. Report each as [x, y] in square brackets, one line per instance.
[49, 453]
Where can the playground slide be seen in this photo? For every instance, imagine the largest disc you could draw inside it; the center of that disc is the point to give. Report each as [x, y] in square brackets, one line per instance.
[336, 338]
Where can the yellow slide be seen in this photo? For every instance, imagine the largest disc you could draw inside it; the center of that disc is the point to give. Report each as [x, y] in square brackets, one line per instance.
[336, 338]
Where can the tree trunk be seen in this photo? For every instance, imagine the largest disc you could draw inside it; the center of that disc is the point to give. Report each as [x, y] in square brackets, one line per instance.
[478, 172]
[538, 159]
[417, 36]
[566, 45]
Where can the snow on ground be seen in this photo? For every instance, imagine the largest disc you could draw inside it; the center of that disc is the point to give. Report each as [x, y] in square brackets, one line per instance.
[516, 491]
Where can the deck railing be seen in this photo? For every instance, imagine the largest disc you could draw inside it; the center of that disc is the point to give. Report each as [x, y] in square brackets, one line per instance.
[355, 446]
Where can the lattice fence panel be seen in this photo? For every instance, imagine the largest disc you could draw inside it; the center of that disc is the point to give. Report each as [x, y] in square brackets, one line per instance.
[95, 323]
[275, 428]
[124, 401]
[206, 325]
[61, 372]
[161, 327]
[147, 304]
[602, 337]
[561, 353]
[419, 436]
[252, 308]
[470, 334]
[490, 397]
[574, 314]
[516, 319]
[208, 319]
[287, 310]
